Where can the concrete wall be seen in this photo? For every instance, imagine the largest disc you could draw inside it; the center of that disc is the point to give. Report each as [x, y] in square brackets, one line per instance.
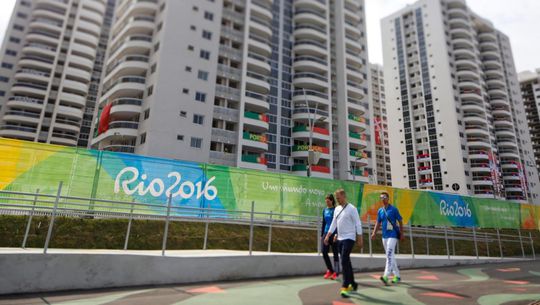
[35, 272]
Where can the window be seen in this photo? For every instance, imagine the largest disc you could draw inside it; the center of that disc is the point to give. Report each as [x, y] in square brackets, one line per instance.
[196, 142]
[208, 16]
[188, 69]
[185, 91]
[22, 15]
[193, 28]
[147, 113]
[207, 35]
[198, 119]
[156, 47]
[183, 114]
[11, 53]
[150, 91]
[153, 69]
[180, 137]
[190, 47]
[18, 27]
[7, 65]
[14, 39]
[143, 138]
[4, 79]
[196, 8]
[205, 54]
[203, 75]
[2, 93]
[201, 97]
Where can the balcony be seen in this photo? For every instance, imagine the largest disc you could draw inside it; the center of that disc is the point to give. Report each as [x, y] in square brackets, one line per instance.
[357, 121]
[256, 121]
[256, 101]
[125, 86]
[17, 131]
[423, 157]
[25, 102]
[258, 64]
[310, 47]
[35, 89]
[257, 82]
[253, 161]
[318, 5]
[302, 151]
[300, 96]
[310, 16]
[319, 171]
[64, 138]
[302, 132]
[126, 107]
[310, 31]
[310, 80]
[310, 64]
[257, 142]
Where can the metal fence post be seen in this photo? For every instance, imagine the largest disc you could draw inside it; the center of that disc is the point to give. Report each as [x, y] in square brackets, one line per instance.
[411, 237]
[53, 216]
[521, 243]
[251, 228]
[532, 245]
[29, 223]
[427, 240]
[446, 240]
[453, 244]
[166, 231]
[487, 244]
[128, 231]
[369, 236]
[319, 233]
[475, 242]
[500, 245]
[206, 224]
[270, 233]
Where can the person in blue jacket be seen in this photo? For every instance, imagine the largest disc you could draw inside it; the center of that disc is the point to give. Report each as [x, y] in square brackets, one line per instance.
[332, 272]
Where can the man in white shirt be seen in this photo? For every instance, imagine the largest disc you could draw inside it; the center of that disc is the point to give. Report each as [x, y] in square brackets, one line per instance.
[349, 229]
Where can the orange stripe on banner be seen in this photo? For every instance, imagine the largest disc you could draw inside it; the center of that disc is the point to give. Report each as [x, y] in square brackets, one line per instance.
[208, 289]
[517, 282]
[509, 269]
[445, 295]
[428, 277]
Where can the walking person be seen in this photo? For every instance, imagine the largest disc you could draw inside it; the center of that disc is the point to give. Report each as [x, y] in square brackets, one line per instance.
[388, 217]
[332, 272]
[349, 231]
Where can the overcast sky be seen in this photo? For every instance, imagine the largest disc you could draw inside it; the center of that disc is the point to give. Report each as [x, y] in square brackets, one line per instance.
[519, 19]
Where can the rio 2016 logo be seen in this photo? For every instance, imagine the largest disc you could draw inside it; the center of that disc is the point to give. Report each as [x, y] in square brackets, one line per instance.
[156, 187]
[454, 209]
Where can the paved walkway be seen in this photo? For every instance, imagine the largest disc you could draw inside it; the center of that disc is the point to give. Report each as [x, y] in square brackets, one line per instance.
[509, 283]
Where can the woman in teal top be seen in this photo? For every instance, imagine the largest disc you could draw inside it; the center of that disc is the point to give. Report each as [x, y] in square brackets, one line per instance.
[327, 217]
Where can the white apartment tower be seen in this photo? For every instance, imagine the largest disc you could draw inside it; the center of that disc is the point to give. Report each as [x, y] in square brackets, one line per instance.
[381, 154]
[530, 90]
[240, 83]
[49, 68]
[456, 117]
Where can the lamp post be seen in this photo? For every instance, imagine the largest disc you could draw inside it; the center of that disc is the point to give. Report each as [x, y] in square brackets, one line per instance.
[353, 170]
[312, 156]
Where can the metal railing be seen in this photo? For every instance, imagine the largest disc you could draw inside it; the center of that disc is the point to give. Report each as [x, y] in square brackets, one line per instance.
[53, 206]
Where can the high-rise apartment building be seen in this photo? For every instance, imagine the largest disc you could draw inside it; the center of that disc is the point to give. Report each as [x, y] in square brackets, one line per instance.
[247, 83]
[530, 90]
[381, 153]
[456, 117]
[49, 69]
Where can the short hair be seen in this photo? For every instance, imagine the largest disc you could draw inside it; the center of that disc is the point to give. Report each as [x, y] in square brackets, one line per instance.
[385, 193]
[340, 191]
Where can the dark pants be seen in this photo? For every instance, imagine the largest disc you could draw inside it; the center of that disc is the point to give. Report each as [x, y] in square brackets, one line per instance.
[326, 257]
[345, 249]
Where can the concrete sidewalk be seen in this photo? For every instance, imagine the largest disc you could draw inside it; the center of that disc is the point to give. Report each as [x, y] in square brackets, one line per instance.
[31, 271]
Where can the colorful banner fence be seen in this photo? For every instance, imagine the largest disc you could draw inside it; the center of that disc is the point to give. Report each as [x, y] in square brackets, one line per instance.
[28, 166]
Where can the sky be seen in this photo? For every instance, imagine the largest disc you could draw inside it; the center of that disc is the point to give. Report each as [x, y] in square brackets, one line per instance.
[518, 19]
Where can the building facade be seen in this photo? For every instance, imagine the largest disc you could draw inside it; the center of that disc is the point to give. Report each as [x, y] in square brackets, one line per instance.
[530, 91]
[381, 155]
[456, 118]
[49, 69]
[247, 83]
